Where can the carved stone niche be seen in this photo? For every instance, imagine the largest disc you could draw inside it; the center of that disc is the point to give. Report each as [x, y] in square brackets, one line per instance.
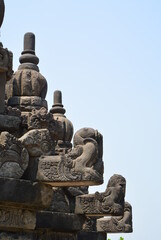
[14, 157]
[110, 202]
[81, 166]
[121, 224]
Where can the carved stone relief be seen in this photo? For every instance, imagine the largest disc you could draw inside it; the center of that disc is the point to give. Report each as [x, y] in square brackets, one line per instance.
[38, 142]
[80, 166]
[17, 219]
[110, 202]
[122, 224]
[14, 157]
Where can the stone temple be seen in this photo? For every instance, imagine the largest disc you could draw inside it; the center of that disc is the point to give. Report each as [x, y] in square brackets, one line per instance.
[44, 177]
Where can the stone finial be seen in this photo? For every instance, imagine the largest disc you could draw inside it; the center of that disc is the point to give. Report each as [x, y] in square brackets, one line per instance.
[2, 10]
[64, 133]
[57, 106]
[28, 56]
[27, 88]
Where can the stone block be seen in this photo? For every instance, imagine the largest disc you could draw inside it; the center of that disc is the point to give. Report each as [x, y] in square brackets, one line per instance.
[25, 194]
[91, 236]
[16, 236]
[59, 222]
[9, 123]
[15, 219]
[56, 171]
[122, 224]
[110, 202]
[14, 158]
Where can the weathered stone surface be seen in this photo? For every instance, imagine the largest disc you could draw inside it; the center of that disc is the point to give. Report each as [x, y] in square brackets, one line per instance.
[14, 157]
[60, 201]
[26, 194]
[91, 236]
[5, 72]
[58, 171]
[90, 224]
[59, 222]
[26, 103]
[63, 132]
[110, 202]
[16, 236]
[122, 224]
[27, 88]
[40, 119]
[12, 218]
[56, 236]
[38, 142]
[44, 235]
[81, 165]
[9, 123]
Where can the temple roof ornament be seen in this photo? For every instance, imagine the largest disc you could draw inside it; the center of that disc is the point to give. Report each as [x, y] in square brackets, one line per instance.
[27, 88]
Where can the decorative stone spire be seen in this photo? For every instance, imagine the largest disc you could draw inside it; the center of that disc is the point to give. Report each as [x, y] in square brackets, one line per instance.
[27, 88]
[57, 107]
[28, 58]
[64, 135]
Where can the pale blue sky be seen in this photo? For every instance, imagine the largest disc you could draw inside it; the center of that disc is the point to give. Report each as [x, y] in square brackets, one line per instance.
[105, 57]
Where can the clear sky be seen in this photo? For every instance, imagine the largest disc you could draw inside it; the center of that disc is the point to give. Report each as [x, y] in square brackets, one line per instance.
[105, 56]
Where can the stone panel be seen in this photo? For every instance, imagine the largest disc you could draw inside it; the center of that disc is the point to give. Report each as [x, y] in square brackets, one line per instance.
[17, 219]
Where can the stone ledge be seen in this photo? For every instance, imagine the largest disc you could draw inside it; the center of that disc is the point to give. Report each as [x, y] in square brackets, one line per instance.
[91, 236]
[24, 194]
[63, 222]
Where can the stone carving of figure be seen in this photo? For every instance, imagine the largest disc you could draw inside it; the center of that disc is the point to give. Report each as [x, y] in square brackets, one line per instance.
[121, 224]
[86, 155]
[112, 200]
